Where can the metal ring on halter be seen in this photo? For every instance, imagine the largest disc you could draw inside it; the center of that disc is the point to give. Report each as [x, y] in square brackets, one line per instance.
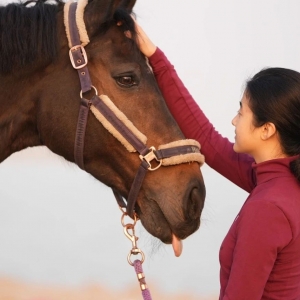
[96, 92]
[135, 217]
[135, 252]
[149, 157]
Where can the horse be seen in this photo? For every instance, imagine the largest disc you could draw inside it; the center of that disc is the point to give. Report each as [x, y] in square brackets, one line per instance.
[44, 102]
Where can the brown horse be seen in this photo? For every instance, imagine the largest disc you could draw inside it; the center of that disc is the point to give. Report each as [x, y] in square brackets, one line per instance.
[40, 101]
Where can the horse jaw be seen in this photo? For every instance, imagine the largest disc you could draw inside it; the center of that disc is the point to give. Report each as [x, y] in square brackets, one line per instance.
[172, 213]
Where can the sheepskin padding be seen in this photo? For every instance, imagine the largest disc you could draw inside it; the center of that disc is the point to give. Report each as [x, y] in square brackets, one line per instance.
[84, 38]
[183, 158]
[66, 21]
[123, 119]
[81, 4]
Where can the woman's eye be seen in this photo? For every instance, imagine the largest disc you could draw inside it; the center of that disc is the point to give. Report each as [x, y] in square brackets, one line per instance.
[126, 81]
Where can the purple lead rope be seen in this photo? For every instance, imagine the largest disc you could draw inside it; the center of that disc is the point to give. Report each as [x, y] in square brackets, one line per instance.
[137, 264]
[141, 277]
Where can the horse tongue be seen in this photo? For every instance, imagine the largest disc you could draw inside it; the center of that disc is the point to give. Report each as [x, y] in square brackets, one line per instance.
[177, 245]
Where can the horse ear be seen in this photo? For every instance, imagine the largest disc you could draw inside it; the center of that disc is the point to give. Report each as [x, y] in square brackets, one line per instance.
[109, 6]
[127, 4]
[99, 11]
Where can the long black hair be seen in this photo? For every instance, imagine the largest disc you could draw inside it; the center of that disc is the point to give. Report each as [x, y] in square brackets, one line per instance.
[274, 96]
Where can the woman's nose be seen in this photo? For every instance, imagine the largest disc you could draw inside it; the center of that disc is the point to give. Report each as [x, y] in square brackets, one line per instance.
[233, 121]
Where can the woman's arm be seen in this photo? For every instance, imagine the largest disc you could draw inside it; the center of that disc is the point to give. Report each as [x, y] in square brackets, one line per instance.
[217, 150]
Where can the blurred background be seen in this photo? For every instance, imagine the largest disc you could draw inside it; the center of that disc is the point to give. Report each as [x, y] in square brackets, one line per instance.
[60, 230]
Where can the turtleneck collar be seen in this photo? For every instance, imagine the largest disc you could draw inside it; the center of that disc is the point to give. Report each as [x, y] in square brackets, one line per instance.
[273, 168]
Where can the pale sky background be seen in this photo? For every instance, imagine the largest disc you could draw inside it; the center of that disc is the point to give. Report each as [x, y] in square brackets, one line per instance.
[59, 225]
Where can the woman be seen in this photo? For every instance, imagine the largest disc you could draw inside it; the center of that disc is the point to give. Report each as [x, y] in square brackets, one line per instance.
[260, 255]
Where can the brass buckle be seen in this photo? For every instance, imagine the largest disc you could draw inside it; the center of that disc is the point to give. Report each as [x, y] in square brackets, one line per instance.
[149, 157]
[85, 60]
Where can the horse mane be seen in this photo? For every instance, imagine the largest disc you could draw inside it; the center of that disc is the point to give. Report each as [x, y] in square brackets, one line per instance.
[28, 32]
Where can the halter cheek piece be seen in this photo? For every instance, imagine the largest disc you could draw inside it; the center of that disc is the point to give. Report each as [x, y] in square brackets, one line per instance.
[113, 119]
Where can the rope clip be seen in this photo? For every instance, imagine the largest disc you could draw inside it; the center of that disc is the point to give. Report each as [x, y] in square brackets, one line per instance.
[132, 237]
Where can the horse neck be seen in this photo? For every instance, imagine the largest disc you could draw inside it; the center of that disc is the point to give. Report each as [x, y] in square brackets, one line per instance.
[18, 108]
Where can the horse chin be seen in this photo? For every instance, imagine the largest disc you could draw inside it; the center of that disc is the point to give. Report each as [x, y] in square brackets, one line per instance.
[164, 227]
[158, 226]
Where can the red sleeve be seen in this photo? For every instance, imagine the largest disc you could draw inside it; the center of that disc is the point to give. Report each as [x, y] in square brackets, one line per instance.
[217, 150]
[262, 232]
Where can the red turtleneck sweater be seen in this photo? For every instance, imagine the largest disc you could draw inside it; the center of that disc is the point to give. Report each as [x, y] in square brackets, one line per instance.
[260, 255]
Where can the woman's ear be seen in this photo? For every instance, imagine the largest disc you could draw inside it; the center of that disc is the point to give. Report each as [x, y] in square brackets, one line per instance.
[268, 130]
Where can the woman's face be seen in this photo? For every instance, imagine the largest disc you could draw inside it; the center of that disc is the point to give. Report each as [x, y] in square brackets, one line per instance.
[247, 137]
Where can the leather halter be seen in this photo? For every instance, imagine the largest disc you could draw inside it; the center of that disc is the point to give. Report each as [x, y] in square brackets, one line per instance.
[147, 154]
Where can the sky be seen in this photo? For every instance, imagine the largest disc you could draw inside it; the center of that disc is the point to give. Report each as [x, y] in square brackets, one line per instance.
[59, 225]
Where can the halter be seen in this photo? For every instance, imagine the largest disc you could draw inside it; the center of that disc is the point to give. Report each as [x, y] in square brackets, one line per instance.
[113, 119]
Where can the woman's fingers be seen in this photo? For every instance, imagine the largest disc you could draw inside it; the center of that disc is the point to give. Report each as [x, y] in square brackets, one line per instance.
[146, 46]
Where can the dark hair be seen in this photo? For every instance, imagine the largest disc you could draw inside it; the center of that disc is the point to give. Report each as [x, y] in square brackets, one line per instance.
[274, 96]
[27, 32]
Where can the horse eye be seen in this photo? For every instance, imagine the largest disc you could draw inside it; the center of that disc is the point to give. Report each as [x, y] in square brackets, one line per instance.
[126, 81]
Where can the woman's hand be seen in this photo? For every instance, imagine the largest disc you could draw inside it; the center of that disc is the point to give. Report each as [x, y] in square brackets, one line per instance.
[145, 44]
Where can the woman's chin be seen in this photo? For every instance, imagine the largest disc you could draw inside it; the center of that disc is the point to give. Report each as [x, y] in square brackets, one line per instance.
[236, 148]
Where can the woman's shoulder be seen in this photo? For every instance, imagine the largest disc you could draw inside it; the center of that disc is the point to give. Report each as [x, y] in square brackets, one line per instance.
[283, 199]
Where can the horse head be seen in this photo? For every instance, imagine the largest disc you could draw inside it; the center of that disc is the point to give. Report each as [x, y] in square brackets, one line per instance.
[171, 198]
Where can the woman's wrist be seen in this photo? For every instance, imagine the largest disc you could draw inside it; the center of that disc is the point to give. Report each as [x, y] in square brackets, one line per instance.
[148, 49]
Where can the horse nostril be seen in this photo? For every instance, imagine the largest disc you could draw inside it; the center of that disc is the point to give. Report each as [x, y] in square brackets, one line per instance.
[194, 204]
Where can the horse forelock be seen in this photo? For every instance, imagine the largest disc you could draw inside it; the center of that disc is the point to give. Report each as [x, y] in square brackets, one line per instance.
[123, 17]
[124, 22]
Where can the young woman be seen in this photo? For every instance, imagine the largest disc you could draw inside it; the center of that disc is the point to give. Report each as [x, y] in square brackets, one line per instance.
[260, 255]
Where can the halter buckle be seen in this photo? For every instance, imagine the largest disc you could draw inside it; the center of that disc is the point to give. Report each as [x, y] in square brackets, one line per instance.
[149, 157]
[78, 57]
